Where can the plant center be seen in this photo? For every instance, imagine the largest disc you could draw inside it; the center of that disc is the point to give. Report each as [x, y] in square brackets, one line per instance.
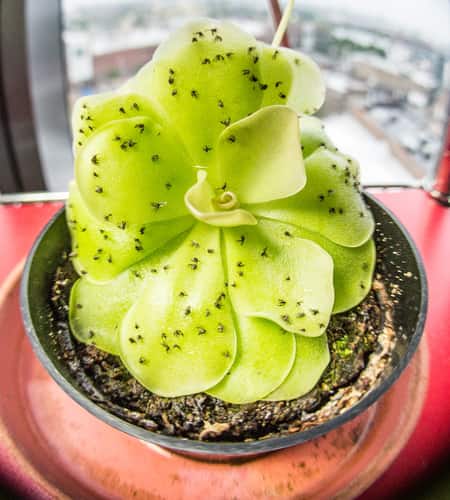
[227, 201]
[217, 210]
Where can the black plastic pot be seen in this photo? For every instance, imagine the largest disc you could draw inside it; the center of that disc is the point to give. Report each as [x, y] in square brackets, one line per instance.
[400, 258]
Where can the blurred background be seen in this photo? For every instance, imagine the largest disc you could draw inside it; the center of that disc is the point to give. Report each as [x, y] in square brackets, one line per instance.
[386, 65]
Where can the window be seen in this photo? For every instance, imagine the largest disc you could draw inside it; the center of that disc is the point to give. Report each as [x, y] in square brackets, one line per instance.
[386, 65]
[107, 42]
[387, 69]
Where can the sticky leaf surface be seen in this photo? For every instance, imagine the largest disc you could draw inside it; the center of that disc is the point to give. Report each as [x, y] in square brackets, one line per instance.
[91, 112]
[205, 76]
[285, 279]
[311, 359]
[292, 78]
[313, 135]
[132, 172]
[352, 268]
[104, 250]
[179, 337]
[265, 355]
[259, 158]
[97, 310]
[329, 204]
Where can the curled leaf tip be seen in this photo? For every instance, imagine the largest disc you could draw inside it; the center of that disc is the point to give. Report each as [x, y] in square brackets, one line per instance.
[217, 210]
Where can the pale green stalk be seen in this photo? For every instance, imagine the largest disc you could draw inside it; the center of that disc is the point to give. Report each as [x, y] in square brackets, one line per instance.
[283, 24]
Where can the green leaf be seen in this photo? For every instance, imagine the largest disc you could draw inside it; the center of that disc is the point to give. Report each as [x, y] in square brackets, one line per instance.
[265, 355]
[90, 113]
[313, 135]
[200, 201]
[132, 171]
[353, 268]
[292, 78]
[279, 277]
[179, 337]
[353, 272]
[330, 204]
[312, 357]
[259, 157]
[102, 250]
[205, 76]
[97, 309]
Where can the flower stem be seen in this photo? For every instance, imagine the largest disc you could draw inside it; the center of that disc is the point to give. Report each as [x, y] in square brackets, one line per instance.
[283, 24]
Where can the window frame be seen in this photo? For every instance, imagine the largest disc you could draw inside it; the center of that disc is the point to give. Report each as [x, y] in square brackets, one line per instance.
[48, 87]
[24, 169]
[34, 129]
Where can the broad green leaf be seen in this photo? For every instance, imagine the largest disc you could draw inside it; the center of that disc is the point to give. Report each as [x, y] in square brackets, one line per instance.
[265, 355]
[102, 250]
[179, 337]
[90, 113]
[259, 157]
[200, 199]
[313, 135]
[353, 268]
[330, 204]
[353, 272]
[97, 309]
[312, 357]
[292, 78]
[133, 172]
[279, 277]
[205, 76]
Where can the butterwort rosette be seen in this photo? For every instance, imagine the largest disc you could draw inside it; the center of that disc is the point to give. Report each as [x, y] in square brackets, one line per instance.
[215, 227]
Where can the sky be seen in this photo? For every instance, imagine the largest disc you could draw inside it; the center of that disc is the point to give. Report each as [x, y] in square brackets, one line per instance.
[427, 19]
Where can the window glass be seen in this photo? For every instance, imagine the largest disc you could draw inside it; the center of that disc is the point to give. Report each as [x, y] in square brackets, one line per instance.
[386, 65]
[108, 41]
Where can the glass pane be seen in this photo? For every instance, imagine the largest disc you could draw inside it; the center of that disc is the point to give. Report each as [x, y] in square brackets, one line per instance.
[388, 79]
[107, 41]
[386, 65]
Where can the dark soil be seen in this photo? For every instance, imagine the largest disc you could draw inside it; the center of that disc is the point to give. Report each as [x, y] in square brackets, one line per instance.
[352, 337]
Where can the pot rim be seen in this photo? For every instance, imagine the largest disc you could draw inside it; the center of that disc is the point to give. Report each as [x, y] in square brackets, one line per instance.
[210, 448]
